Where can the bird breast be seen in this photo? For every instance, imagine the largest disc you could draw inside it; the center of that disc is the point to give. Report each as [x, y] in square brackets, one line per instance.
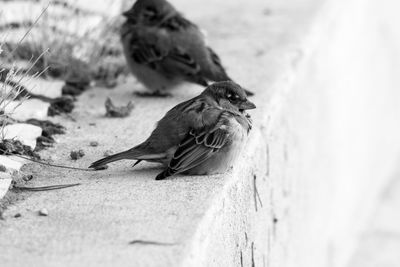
[225, 158]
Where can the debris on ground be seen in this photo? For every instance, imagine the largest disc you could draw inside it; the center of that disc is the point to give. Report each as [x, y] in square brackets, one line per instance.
[11, 146]
[43, 212]
[94, 143]
[60, 105]
[77, 154]
[267, 12]
[48, 130]
[77, 79]
[71, 90]
[27, 177]
[2, 168]
[117, 112]
[43, 142]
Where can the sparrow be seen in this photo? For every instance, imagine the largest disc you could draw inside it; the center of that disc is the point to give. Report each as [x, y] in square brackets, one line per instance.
[163, 49]
[203, 135]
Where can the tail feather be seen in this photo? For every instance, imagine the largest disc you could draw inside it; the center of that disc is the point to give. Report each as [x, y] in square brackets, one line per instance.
[137, 154]
[109, 159]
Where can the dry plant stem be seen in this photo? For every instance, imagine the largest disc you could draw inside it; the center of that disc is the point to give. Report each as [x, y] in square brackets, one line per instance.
[47, 164]
[154, 243]
[45, 188]
[26, 33]
[31, 27]
[7, 97]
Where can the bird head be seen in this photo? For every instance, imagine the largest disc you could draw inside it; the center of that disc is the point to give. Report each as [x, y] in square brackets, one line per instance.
[229, 96]
[149, 12]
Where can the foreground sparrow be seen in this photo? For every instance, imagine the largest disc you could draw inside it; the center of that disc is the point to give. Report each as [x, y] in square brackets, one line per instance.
[200, 136]
[163, 49]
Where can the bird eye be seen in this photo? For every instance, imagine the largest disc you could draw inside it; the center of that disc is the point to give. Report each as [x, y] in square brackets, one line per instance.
[150, 12]
[233, 98]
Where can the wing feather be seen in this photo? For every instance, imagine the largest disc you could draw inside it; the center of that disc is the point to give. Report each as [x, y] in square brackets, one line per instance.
[194, 150]
[152, 47]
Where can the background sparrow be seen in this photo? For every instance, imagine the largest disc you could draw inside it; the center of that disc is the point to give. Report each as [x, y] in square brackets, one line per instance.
[200, 136]
[163, 49]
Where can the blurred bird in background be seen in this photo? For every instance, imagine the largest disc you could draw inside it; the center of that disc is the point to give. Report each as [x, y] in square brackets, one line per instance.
[163, 49]
[203, 135]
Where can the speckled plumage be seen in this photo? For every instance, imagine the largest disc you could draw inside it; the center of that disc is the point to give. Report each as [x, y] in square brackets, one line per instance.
[163, 48]
[203, 135]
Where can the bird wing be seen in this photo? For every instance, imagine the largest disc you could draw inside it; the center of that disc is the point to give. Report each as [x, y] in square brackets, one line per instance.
[180, 62]
[146, 47]
[220, 70]
[157, 49]
[195, 148]
[196, 113]
[177, 23]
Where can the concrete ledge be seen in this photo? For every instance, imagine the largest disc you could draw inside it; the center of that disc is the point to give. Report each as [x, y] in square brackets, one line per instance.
[313, 157]
[230, 233]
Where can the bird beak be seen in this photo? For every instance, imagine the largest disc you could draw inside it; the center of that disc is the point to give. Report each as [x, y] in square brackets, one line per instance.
[247, 105]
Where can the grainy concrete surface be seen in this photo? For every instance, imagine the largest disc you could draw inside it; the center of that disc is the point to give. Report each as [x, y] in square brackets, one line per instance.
[314, 154]
[379, 245]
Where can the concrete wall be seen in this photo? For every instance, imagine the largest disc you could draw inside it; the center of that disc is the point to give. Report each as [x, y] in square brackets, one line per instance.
[331, 140]
[342, 116]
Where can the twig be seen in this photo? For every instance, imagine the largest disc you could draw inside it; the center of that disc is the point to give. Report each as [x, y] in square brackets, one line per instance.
[45, 163]
[253, 264]
[256, 194]
[146, 242]
[30, 28]
[45, 188]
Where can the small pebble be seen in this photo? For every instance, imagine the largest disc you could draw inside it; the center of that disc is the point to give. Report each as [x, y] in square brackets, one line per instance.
[94, 143]
[27, 177]
[267, 11]
[17, 215]
[2, 168]
[77, 154]
[43, 212]
[108, 153]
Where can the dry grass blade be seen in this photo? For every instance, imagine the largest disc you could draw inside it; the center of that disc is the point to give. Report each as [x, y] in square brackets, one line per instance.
[154, 243]
[45, 188]
[30, 28]
[11, 90]
[45, 163]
